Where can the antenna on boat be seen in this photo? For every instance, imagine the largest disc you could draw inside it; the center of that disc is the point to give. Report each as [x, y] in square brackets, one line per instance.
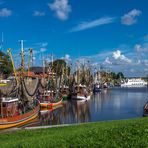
[2, 41]
[52, 59]
[22, 44]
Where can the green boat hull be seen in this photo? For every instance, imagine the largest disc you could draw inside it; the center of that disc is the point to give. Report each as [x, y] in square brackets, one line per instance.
[65, 98]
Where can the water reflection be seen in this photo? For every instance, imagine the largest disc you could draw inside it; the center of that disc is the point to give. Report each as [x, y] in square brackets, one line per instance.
[118, 103]
[69, 112]
[80, 111]
[110, 104]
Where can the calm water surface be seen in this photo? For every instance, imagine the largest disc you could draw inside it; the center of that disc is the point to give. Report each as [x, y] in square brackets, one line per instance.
[110, 104]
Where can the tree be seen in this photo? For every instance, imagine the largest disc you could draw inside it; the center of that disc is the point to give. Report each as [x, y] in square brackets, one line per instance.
[120, 75]
[60, 67]
[113, 75]
[5, 63]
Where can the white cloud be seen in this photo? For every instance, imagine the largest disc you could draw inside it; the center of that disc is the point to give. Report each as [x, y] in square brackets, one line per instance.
[39, 47]
[41, 44]
[145, 62]
[138, 47]
[38, 13]
[107, 61]
[131, 17]
[44, 44]
[43, 49]
[5, 12]
[138, 62]
[66, 58]
[61, 8]
[92, 24]
[130, 63]
[94, 64]
[117, 55]
[141, 48]
[33, 58]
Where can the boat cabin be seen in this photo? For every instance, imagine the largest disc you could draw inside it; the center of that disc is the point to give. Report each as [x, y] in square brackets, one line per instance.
[8, 107]
[80, 89]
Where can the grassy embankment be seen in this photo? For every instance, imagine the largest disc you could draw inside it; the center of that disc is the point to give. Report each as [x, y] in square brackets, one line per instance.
[123, 133]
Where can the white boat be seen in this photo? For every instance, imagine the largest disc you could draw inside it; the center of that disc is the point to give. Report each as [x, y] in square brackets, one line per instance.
[135, 82]
[80, 97]
[5, 81]
[81, 93]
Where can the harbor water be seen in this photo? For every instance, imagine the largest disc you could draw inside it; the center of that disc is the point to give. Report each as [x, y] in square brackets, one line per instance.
[110, 104]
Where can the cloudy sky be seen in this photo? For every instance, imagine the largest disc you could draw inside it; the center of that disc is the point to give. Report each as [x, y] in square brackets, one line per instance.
[111, 34]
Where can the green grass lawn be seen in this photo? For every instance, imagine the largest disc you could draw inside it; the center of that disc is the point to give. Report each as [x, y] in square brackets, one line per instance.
[123, 133]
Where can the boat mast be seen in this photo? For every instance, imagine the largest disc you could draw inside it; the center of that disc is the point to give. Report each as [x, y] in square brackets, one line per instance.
[29, 60]
[14, 70]
[99, 76]
[43, 63]
[1, 43]
[22, 55]
[52, 65]
[1, 104]
[78, 73]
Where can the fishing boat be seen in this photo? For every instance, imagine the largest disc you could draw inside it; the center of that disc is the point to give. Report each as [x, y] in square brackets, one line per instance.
[4, 82]
[50, 104]
[82, 82]
[65, 81]
[145, 109]
[49, 99]
[65, 92]
[97, 82]
[96, 88]
[45, 110]
[18, 106]
[50, 96]
[81, 93]
[15, 115]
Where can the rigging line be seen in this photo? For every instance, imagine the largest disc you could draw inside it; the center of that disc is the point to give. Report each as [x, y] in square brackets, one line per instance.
[37, 86]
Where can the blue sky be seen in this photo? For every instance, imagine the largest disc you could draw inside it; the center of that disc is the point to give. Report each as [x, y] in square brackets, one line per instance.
[110, 33]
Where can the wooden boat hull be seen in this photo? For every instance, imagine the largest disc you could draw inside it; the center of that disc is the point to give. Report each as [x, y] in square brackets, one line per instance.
[50, 105]
[3, 84]
[45, 110]
[79, 97]
[145, 115]
[19, 120]
[145, 110]
[96, 90]
[65, 98]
